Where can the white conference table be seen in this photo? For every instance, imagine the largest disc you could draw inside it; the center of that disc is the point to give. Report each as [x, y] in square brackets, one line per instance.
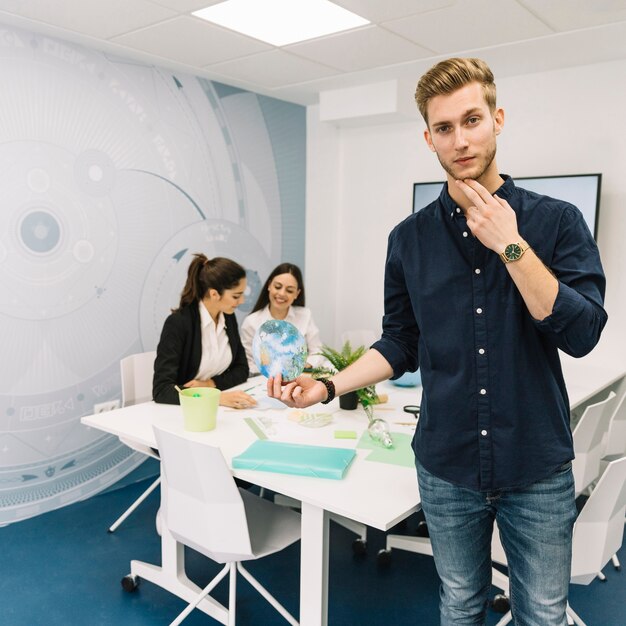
[376, 494]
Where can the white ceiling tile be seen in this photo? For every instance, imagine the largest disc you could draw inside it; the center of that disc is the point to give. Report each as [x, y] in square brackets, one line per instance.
[514, 37]
[96, 18]
[192, 41]
[569, 49]
[572, 14]
[468, 25]
[382, 10]
[186, 6]
[370, 46]
[273, 69]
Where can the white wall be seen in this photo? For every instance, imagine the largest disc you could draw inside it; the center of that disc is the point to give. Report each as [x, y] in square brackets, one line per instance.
[359, 185]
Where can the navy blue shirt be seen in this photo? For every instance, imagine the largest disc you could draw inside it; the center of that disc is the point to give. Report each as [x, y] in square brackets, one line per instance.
[495, 411]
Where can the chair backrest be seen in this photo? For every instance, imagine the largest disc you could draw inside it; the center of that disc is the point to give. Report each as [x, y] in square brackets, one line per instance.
[616, 436]
[200, 502]
[588, 437]
[137, 371]
[599, 529]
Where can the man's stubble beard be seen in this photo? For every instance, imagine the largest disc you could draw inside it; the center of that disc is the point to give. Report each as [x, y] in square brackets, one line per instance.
[487, 161]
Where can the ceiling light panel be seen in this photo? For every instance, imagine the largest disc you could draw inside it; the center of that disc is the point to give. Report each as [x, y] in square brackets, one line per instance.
[282, 22]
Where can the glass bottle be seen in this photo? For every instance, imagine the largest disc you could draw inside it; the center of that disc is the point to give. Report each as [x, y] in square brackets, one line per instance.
[378, 428]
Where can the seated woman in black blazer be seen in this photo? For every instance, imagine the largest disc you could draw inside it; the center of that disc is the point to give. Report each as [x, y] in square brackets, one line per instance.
[200, 344]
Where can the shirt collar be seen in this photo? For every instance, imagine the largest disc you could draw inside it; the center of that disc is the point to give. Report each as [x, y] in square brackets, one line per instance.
[291, 314]
[207, 321]
[450, 207]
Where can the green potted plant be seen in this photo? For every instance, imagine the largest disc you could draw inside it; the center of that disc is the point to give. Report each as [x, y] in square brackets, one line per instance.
[340, 359]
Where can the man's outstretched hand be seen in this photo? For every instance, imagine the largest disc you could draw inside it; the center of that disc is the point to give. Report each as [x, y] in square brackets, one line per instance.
[299, 393]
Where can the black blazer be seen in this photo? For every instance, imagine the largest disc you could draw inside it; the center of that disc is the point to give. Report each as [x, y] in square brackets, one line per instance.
[180, 350]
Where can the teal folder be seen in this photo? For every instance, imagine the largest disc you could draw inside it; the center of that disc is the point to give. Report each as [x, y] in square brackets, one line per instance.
[294, 458]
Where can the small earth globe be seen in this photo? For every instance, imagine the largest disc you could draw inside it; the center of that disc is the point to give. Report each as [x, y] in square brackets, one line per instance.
[278, 347]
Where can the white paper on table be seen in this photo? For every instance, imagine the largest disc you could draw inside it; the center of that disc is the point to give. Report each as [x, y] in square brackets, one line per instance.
[264, 403]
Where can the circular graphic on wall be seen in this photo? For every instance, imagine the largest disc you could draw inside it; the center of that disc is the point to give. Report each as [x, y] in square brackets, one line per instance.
[112, 173]
[168, 271]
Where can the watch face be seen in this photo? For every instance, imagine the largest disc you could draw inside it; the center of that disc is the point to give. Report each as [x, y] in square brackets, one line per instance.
[513, 252]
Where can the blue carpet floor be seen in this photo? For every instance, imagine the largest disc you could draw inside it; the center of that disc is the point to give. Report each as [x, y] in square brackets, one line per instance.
[63, 569]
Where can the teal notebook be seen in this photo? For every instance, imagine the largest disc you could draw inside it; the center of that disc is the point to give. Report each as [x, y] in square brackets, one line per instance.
[294, 458]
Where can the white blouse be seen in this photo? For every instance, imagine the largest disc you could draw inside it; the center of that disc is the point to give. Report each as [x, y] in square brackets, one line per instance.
[300, 317]
[216, 352]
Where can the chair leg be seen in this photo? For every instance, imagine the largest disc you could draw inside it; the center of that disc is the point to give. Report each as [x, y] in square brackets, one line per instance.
[134, 505]
[574, 616]
[506, 619]
[267, 595]
[232, 594]
[616, 564]
[570, 616]
[202, 594]
[356, 527]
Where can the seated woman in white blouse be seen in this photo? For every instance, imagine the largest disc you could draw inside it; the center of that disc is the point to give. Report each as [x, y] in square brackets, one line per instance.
[200, 344]
[282, 298]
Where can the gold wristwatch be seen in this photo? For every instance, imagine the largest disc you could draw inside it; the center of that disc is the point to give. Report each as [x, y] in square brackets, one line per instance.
[513, 252]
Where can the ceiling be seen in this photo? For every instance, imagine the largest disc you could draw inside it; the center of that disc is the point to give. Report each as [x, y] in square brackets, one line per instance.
[404, 39]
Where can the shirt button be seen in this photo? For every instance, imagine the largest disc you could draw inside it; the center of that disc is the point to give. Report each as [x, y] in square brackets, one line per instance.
[479, 310]
[483, 392]
[481, 351]
[464, 233]
[452, 214]
[458, 210]
[476, 271]
[483, 433]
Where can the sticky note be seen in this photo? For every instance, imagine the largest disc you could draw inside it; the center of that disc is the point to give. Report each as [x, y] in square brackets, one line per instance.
[345, 434]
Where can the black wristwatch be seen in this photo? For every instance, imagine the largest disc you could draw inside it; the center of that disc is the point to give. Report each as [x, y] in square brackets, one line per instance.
[330, 389]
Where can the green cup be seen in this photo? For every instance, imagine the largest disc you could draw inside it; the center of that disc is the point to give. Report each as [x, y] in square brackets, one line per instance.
[199, 406]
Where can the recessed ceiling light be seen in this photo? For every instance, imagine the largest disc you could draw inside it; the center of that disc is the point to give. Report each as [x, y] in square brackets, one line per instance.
[281, 22]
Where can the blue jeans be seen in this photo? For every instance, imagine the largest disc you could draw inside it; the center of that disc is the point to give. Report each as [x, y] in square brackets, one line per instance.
[535, 524]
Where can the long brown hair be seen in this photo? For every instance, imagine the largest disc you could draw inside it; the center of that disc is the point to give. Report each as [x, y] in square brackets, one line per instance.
[203, 274]
[283, 268]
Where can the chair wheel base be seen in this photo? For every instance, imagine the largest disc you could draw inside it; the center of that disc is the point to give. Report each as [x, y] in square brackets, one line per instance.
[501, 603]
[130, 583]
[383, 558]
[422, 530]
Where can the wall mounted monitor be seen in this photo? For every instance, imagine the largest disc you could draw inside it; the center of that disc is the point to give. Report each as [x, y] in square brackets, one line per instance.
[582, 190]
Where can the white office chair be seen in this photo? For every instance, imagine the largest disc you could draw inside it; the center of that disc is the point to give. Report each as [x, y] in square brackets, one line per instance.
[137, 371]
[616, 436]
[203, 509]
[614, 447]
[359, 545]
[589, 436]
[598, 531]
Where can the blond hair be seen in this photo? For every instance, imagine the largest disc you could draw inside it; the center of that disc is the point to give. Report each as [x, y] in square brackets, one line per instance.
[452, 74]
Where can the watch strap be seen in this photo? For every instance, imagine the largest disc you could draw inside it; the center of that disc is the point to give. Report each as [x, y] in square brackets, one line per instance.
[330, 389]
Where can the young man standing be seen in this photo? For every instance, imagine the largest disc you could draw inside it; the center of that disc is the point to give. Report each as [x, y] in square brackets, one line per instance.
[482, 287]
